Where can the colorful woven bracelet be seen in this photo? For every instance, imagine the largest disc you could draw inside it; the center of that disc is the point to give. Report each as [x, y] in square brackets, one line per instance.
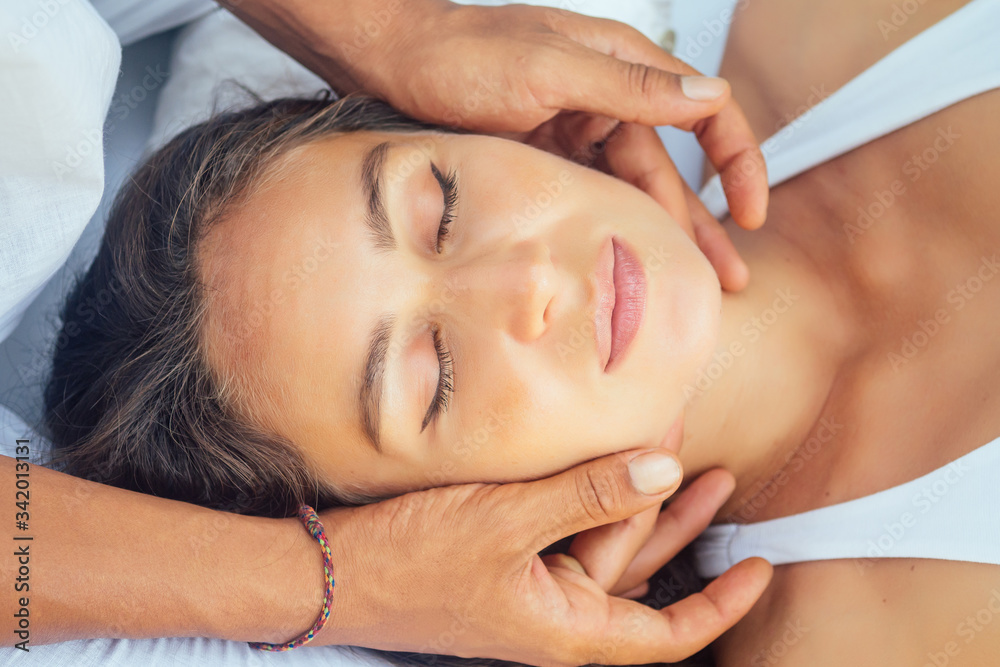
[315, 528]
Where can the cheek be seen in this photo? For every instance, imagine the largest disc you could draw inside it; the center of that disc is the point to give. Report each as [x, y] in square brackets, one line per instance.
[507, 436]
[508, 415]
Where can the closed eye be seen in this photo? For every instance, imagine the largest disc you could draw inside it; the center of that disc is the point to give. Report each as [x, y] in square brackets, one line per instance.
[445, 381]
[449, 190]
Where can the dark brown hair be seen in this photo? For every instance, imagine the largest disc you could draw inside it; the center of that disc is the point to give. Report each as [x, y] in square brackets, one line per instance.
[132, 400]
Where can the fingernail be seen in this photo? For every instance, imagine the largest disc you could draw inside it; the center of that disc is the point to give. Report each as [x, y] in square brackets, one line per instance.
[702, 88]
[654, 472]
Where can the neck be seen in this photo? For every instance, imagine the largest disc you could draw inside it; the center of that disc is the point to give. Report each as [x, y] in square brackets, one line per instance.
[781, 344]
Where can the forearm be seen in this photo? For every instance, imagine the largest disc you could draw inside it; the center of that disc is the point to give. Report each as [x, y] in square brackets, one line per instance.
[106, 562]
[340, 40]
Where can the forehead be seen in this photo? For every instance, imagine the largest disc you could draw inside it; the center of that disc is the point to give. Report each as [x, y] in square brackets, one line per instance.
[283, 273]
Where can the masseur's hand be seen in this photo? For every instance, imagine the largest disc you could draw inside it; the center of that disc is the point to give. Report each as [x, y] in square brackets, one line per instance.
[455, 570]
[552, 77]
[621, 556]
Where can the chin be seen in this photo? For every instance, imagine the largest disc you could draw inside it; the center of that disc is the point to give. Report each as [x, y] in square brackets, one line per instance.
[686, 318]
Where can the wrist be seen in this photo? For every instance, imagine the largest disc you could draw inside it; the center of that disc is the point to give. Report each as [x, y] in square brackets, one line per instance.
[347, 43]
[272, 588]
[283, 584]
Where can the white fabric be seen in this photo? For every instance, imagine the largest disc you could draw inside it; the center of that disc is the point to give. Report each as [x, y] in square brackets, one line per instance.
[952, 60]
[133, 20]
[949, 514]
[212, 58]
[183, 652]
[57, 72]
[58, 65]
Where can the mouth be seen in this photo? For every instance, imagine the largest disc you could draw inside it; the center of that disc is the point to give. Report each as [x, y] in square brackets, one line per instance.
[621, 302]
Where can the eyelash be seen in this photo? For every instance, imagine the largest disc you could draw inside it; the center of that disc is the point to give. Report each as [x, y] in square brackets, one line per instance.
[449, 187]
[445, 384]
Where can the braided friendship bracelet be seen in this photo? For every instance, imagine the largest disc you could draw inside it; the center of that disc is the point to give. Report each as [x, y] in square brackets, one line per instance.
[315, 528]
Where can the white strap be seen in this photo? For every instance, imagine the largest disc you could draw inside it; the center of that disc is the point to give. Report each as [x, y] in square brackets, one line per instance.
[948, 514]
[952, 60]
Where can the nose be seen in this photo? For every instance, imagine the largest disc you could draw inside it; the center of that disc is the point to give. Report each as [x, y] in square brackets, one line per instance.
[512, 288]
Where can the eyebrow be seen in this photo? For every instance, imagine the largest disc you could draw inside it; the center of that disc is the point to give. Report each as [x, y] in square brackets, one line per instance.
[370, 395]
[372, 172]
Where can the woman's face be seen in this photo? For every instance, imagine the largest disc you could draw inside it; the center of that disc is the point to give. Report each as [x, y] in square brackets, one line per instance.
[328, 285]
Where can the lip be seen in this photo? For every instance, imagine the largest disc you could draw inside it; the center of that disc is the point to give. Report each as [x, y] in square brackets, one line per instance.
[629, 301]
[605, 291]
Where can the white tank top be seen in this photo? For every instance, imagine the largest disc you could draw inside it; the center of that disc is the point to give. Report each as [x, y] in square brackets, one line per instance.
[952, 60]
[952, 513]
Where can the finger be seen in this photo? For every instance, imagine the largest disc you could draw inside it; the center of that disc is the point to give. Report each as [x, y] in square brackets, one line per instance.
[564, 561]
[606, 551]
[726, 136]
[715, 243]
[644, 635]
[591, 494]
[678, 525]
[636, 154]
[630, 91]
[637, 592]
[740, 165]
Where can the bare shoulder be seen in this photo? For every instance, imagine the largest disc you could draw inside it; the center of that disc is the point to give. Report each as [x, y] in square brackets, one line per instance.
[887, 612]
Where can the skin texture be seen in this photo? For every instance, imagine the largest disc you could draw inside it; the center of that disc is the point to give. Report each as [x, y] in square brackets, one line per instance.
[514, 298]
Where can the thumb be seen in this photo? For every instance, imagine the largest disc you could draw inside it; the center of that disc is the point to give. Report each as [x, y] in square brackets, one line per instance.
[595, 493]
[634, 92]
